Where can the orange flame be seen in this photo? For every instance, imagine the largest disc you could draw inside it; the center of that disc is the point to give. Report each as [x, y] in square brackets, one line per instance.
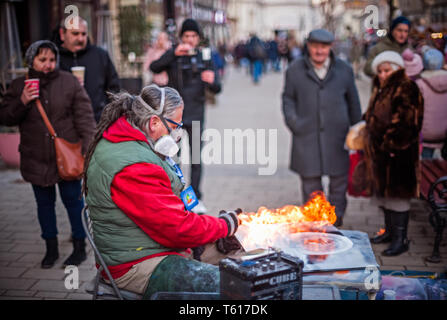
[380, 232]
[317, 209]
[270, 227]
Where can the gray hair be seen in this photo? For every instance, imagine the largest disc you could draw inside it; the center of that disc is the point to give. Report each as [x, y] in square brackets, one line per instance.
[80, 20]
[154, 100]
[138, 111]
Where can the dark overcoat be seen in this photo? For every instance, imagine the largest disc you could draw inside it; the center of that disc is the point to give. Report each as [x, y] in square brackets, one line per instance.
[100, 74]
[185, 76]
[319, 114]
[69, 110]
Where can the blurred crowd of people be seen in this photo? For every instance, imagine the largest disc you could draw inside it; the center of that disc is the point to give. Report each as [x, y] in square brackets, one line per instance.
[259, 56]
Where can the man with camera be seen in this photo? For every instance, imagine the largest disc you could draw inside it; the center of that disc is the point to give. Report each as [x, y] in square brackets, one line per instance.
[191, 71]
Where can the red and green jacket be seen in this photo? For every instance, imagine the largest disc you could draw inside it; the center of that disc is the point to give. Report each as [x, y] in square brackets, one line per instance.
[134, 203]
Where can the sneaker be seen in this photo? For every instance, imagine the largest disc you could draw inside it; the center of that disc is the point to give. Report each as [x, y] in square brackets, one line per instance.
[200, 208]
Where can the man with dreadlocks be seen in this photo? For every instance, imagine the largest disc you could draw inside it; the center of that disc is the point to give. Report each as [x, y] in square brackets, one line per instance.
[134, 191]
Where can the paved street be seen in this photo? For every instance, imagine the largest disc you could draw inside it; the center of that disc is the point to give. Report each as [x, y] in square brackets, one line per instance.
[241, 105]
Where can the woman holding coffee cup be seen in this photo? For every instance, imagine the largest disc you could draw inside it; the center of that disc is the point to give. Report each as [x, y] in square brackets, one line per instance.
[68, 108]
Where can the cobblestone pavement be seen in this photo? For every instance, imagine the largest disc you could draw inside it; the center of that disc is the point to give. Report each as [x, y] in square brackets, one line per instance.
[241, 105]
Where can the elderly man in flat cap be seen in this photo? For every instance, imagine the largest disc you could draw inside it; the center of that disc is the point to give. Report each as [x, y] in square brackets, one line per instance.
[320, 102]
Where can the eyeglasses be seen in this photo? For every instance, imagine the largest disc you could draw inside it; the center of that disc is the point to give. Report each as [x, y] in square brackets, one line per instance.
[179, 125]
[176, 133]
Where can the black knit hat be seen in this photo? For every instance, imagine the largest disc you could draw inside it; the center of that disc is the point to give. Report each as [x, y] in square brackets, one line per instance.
[399, 20]
[190, 25]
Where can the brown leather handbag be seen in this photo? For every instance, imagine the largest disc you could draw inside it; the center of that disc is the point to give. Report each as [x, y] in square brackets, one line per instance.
[70, 162]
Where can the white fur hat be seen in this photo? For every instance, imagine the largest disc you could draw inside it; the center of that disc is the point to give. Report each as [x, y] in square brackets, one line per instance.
[387, 56]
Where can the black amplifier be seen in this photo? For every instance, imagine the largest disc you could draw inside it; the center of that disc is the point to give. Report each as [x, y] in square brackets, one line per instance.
[267, 276]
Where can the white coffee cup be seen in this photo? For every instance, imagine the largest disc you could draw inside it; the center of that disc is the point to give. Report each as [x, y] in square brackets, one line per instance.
[79, 72]
[206, 54]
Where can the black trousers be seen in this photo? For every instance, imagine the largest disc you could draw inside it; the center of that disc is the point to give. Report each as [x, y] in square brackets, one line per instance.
[196, 168]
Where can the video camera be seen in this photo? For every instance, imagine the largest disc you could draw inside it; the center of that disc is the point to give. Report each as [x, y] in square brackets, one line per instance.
[198, 60]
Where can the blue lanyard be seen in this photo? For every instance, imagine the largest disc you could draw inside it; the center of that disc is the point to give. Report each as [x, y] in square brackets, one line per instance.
[177, 169]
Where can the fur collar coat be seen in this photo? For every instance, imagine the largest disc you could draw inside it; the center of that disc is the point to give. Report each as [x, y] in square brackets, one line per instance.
[393, 124]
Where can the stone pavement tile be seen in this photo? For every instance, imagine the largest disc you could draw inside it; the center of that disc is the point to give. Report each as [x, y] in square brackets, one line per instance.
[355, 219]
[11, 272]
[22, 264]
[3, 225]
[50, 285]
[86, 275]
[16, 283]
[28, 228]
[31, 257]
[375, 222]
[19, 298]
[408, 261]
[423, 249]
[79, 296]
[5, 234]
[51, 295]
[26, 237]
[29, 248]
[421, 240]
[11, 256]
[440, 266]
[49, 274]
[391, 267]
[19, 293]
[6, 246]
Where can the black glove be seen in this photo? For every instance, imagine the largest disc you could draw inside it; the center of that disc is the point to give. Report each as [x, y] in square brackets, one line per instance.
[228, 244]
[231, 219]
[197, 252]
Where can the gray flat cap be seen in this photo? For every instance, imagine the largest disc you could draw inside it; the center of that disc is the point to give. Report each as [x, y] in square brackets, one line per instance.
[321, 35]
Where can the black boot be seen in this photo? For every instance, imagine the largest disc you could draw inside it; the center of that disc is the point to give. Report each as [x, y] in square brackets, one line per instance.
[386, 236]
[52, 253]
[78, 254]
[399, 225]
[339, 222]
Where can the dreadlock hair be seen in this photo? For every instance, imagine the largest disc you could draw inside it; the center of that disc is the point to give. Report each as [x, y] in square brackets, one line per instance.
[137, 113]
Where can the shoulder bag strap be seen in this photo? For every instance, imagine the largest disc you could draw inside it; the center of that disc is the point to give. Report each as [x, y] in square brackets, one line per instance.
[44, 115]
[45, 118]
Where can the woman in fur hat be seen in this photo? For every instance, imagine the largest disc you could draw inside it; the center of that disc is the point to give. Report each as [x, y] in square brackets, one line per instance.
[393, 122]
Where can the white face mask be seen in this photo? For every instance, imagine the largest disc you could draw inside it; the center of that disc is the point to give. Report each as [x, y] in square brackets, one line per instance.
[166, 146]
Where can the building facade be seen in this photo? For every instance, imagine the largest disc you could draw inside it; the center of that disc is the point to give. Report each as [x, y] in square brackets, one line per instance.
[264, 17]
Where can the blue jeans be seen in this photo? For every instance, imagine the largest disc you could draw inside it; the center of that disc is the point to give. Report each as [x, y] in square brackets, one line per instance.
[257, 70]
[70, 192]
[427, 153]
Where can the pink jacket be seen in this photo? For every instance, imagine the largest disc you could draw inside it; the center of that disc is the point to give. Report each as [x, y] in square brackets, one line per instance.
[433, 86]
[153, 54]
